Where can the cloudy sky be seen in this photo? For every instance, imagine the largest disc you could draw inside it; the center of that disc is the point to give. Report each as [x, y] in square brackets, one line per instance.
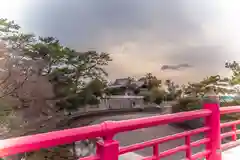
[140, 35]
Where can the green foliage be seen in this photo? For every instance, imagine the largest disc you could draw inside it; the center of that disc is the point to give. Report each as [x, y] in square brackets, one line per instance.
[5, 110]
[154, 83]
[233, 116]
[155, 95]
[156, 92]
[193, 103]
[151, 81]
[200, 88]
[158, 100]
[115, 91]
[187, 104]
[8, 27]
[169, 97]
[173, 90]
[231, 103]
[137, 91]
[146, 98]
[235, 68]
[77, 77]
[80, 67]
[96, 87]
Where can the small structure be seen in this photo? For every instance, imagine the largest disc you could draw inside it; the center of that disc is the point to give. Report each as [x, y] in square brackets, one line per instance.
[126, 86]
[122, 101]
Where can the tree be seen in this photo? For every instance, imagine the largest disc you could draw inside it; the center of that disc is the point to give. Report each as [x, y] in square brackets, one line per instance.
[130, 80]
[154, 83]
[179, 93]
[42, 77]
[71, 80]
[136, 91]
[235, 68]
[67, 70]
[158, 100]
[151, 81]
[172, 89]
[155, 96]
[97, 87]
[200, 88]
[74, 78]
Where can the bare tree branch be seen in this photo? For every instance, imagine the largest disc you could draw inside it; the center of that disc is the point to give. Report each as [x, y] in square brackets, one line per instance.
[6, 79]
[15, 88]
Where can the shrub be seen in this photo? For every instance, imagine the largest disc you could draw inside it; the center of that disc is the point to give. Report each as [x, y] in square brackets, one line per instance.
[193, 103]
[187, 104]
[158, 100]
[146, 99]
[137, 91]
[170, 97]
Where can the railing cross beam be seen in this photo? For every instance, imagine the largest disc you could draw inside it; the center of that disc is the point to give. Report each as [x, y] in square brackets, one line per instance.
[108, 148]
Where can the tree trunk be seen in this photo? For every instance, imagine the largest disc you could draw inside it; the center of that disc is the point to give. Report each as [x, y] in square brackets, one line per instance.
[74, 151]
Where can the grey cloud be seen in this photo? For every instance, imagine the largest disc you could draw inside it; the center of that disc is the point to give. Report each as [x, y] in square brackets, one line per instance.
[203, 57]
[89, 23]
[86, 23]
[175, 67]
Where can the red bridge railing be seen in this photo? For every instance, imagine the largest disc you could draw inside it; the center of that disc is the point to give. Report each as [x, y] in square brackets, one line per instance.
[109, 149]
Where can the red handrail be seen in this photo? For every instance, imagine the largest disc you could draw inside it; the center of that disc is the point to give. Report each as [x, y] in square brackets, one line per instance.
[109, 149]
[105, 129]
[234, 132]
[229, 109]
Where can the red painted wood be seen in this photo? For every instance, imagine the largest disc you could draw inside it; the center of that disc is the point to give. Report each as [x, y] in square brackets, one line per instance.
[201, 155]
[109, 128]
[156, 152]
[150, 143]
[229, 109]
[200, 142]
[213, 122]
[109, 148]
[173, 150]
[232, 133]
[133, 124]
[230, 145]
[90, 158]
[50, 139]
[228, 124]
[227, 134]
[234, 129]
[188, 150]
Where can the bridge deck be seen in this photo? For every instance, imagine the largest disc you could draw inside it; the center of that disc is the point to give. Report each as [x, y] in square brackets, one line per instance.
[231, 154]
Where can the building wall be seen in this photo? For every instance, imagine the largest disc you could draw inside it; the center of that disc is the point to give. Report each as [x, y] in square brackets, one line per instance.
[118, 102]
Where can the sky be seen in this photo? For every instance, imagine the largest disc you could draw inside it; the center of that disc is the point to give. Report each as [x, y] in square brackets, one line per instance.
[193, 38]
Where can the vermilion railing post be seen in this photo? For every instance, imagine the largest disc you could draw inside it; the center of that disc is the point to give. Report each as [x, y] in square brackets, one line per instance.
[212, 103]
[188, 143]
[234, 129]
[108, 150]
